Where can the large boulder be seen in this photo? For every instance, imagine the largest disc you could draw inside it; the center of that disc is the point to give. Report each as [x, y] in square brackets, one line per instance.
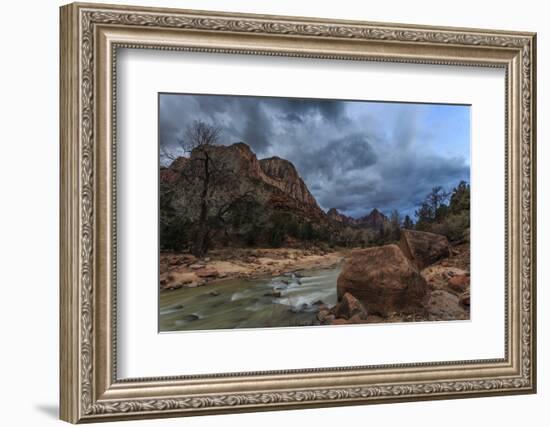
[423, 248]
[383, 280]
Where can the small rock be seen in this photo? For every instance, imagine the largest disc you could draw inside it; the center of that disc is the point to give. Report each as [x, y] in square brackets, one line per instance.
[322, 315]
[329, 318]
[350, 306]
[465, 299]
[196, 266]
[357, 319]
[188, 258]
[207, 272]
[373, 318]
[214, 293]
[459, 282]
[173, 286]
[445, 306]
[339, 321]
[195, 284]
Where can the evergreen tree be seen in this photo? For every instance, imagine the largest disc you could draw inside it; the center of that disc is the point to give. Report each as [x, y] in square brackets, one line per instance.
[408, 223]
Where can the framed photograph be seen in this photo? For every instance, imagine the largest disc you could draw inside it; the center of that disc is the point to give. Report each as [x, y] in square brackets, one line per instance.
[266, 212]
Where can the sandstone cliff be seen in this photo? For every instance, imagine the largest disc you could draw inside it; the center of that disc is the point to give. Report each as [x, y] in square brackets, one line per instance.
[275, 193]
[282, 174]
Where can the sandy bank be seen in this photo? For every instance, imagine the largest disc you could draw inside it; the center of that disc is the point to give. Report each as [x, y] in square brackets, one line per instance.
[178, 270]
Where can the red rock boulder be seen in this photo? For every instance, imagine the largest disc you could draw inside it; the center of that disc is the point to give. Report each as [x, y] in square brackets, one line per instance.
[384, 280]
[423, 248]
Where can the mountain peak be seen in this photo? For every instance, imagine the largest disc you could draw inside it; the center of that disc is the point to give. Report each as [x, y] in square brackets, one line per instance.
[337, 216]
[241, 145]
[279, 174]
[375, 219]
[282, 174]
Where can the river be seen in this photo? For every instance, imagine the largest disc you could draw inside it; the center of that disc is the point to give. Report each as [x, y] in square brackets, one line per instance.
[288, 300]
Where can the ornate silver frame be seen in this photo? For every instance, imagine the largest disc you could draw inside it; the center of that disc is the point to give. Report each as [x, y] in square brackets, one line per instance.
[90, 36]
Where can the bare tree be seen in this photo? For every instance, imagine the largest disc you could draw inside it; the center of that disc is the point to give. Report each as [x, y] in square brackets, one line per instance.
[197, 141]
[210, 183]
[198, 136]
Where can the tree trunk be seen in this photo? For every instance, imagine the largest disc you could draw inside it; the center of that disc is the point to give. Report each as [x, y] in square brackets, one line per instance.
[201, 242]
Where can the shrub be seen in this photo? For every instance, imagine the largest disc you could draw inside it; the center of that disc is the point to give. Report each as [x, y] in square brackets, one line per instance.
[175, 234]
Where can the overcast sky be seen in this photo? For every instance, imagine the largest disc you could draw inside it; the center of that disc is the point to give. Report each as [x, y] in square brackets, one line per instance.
[353, 155]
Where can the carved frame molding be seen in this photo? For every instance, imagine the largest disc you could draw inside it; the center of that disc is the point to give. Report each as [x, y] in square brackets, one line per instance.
[90, 36]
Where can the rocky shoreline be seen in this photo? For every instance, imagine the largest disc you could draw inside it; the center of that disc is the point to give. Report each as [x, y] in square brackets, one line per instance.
[185, 270]
[422, 278]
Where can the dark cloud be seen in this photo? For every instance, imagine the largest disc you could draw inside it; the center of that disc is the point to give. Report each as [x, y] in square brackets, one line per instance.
[330, 110]
[241, 118]
[292, 118]
[257, 127]
[335, 157]
[399, 186]
[354, 156]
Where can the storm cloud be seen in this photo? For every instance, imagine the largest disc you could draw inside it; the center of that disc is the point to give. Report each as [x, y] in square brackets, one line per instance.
[353, 155]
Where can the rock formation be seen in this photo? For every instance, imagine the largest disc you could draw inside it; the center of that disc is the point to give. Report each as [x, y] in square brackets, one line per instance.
[339, 217]
[423, 248]
[282, 174]
[383, 280]
[273, 182]
[171, 174]
[375, 219]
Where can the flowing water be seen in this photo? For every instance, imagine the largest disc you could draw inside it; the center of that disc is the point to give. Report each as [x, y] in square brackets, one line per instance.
[288, 300]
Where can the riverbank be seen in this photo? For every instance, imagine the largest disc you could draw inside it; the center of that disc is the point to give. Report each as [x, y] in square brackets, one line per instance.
[185, 270]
